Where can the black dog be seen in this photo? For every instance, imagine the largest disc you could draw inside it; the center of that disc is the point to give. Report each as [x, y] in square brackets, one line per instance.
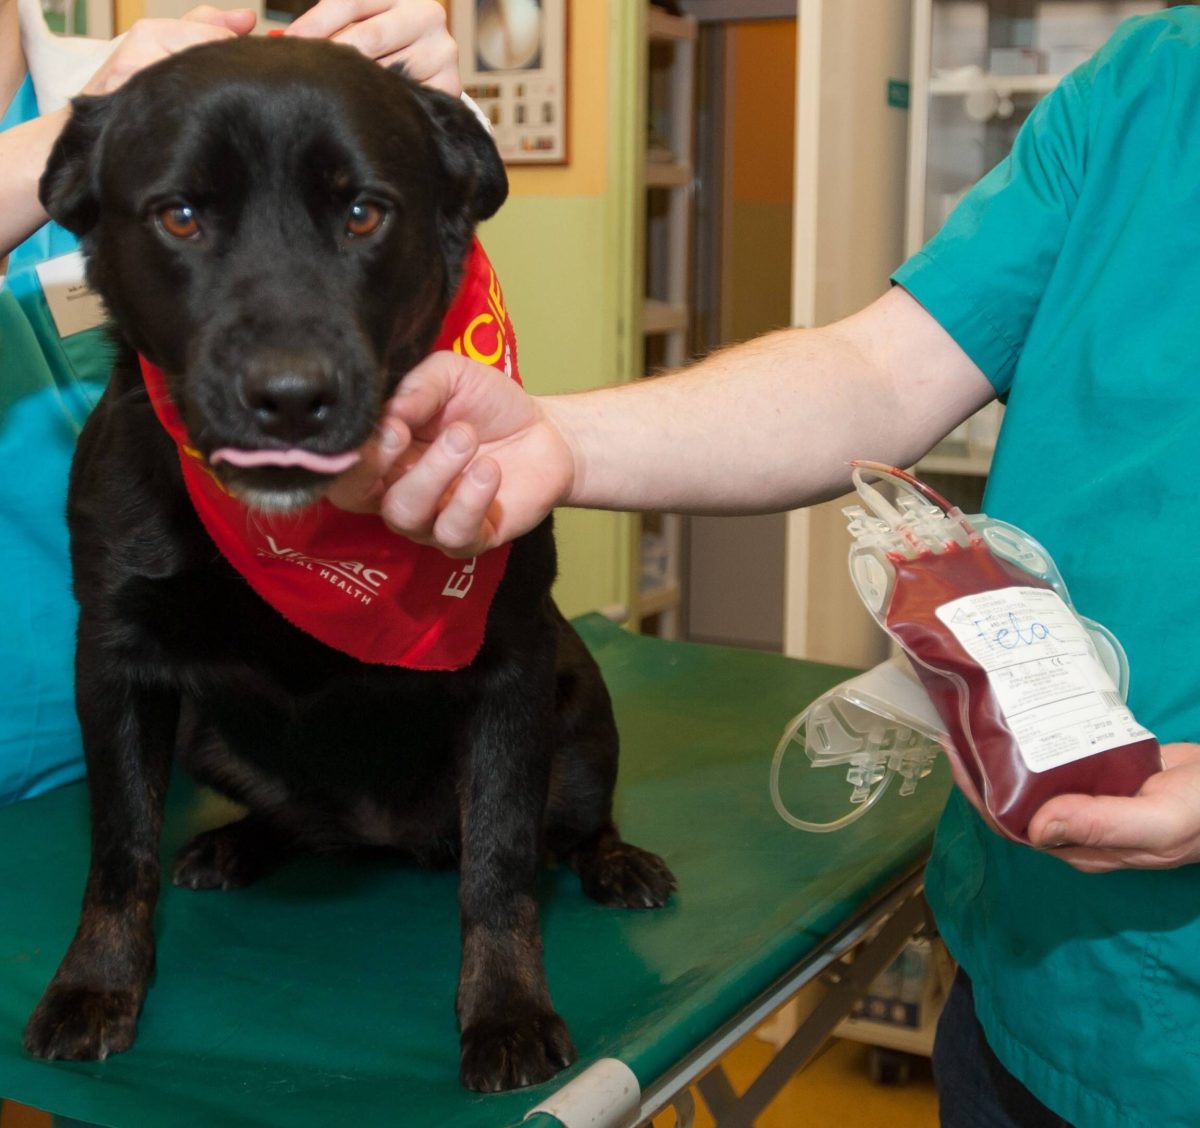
[280, 226]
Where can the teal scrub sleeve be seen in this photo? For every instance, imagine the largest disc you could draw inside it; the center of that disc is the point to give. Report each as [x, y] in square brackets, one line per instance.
[983, 275]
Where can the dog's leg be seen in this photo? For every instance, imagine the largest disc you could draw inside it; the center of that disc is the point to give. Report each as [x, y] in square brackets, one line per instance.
[511, 1035]
[579, 824]
[91, 1007]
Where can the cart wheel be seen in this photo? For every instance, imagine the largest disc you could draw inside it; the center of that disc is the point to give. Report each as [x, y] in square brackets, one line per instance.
[888, 1067]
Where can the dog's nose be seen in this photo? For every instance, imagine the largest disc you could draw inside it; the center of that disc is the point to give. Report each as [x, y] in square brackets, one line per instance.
[291, 394]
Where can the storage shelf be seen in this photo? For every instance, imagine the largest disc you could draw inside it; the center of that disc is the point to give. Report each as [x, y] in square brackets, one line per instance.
[664, 175]
[657, 599]
[662, 26]
[1002, 84]
[903, 1038]
[667, 174]
[663, 317]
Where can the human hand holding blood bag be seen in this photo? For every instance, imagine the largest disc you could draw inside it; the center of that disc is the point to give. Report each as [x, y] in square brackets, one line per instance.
[1159, 828]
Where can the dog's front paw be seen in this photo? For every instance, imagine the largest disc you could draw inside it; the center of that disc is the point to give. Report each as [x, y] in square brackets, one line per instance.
[82, 1023]
[627, 877]
[511, 1054]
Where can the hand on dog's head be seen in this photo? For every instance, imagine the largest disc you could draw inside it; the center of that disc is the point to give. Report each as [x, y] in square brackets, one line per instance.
[279, 225]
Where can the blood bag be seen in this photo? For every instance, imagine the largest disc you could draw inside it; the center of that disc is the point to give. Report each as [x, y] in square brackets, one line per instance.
[1030, 695]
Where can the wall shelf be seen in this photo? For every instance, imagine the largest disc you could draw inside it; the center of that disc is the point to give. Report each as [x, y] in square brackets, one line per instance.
[665, 197]
[662, 27]
[667, 174]
[1004, 85]
[663, 317]
[654, 601]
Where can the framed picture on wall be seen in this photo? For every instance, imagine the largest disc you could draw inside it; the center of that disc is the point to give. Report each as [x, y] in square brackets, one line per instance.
[513, 56]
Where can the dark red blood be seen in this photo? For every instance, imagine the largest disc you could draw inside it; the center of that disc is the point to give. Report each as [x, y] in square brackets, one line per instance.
[1011, 792]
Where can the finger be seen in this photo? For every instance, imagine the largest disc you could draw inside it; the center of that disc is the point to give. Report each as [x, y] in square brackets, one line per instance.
[462, 528]
[148, 42]
[328, 17]
[360, 488]
[1088, 861]
[424, 391]
[1145, 823]
[411, 504]
[1106, 861]
[375, 37]
[240, 21]
[1180, 755]
[375, 27]
[151, 40]
[432, 62]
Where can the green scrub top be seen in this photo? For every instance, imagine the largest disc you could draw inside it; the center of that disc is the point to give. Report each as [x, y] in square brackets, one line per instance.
[1070, 275]
[47, 386]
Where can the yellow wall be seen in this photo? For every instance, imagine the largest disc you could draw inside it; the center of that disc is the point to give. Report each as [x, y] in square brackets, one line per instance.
[125, 12]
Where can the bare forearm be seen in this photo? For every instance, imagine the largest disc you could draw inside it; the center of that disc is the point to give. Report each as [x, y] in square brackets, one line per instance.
[23, 153]
[771, 424]
[474, 461]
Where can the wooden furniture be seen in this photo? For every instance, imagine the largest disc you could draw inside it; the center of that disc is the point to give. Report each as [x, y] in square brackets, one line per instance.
[666, 177]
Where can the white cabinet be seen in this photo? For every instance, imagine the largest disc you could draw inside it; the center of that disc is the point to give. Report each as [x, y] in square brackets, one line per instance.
[978, 68]
[666, 191]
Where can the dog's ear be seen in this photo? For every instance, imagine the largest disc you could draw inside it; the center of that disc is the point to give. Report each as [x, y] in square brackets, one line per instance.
[469, 157]
[67, 188]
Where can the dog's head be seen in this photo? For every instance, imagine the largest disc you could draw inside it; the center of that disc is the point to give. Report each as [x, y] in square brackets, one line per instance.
[280, 226]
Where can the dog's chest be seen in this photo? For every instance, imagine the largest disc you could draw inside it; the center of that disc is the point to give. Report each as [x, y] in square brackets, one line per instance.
[374, 754]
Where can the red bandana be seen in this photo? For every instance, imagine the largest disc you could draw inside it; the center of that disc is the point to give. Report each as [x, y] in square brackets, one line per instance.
[345, 578]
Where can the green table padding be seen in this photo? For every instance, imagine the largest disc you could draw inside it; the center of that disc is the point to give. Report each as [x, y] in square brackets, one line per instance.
[325, 994]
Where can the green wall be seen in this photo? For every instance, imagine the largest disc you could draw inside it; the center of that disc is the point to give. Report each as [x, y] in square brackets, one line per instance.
[566, 247]
[553, 256]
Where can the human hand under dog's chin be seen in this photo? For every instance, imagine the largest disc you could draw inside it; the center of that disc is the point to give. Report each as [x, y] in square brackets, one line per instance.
[411, 32]
[463, 461]
[151, 40]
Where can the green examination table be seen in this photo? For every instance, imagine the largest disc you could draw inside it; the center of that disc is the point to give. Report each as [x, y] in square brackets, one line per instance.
[324, 995]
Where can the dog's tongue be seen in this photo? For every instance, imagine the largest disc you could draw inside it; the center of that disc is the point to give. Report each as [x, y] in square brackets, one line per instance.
[307, 459]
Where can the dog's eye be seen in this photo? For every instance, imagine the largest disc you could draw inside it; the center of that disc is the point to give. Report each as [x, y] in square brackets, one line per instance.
[179, 221]
[364, 218]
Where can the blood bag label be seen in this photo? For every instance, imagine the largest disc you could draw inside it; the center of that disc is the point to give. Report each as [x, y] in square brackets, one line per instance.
[1057, 699]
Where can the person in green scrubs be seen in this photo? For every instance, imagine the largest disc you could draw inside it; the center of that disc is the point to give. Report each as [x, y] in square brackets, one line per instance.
[1064, 283]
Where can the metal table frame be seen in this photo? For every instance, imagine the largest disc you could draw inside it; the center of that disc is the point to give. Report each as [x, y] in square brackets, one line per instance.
[902, 911]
